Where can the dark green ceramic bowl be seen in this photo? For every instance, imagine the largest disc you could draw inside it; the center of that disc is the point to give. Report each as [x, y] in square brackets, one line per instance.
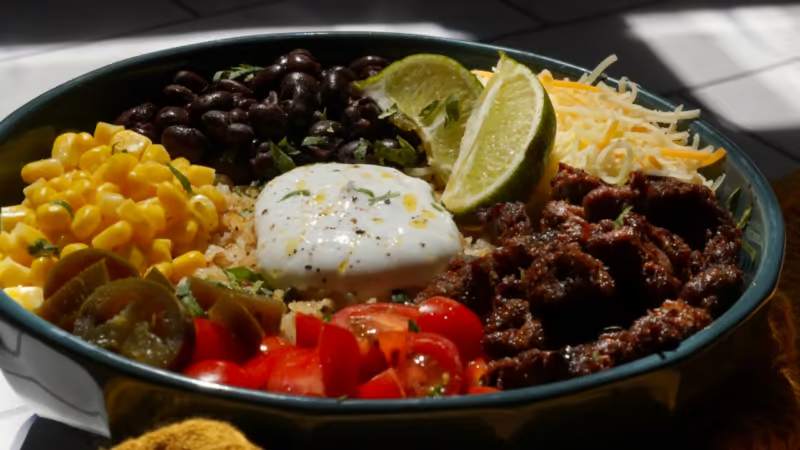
[76, 383]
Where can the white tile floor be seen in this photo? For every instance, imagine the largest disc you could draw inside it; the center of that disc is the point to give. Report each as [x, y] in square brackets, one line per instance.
[738, 59]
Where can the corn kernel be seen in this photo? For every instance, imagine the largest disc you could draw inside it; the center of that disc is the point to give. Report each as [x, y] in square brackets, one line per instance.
[200, 175]
[160, 251]
[40, 267]
[74, 247]
[150, 172]
[13, 273]
[29, 297]
[136, 258]
[143, 231]
[91, 159]
[186, 264]
[165, 268]
[117, 167]
[87, 221]
[215, 195]
[156, 153]
[43, 168]
[66, 150]
[7, 243]
[12, 215]
[183, 233]
[181, 164]
[129, 142]
[59, 183]
[204, 212]
[53, 217]
[38, 192]
[173, 199]
[71, 196]
[108, 203]
[108, 187]
[114, 236]
[154, 213]
[103, 132]
[26, 235]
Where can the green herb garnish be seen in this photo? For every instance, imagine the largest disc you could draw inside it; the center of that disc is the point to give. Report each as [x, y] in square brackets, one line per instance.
[184, 294]
[621, 217]
[366, 191]
[733, 199]
[360, 152]
[404, 156]
[187, 186]
[326, 316]
[64, 205]
[236, 72]
[412, 326]
[383, 198]
[303, 192]
[427, 113]
[751, 252]
[241, 273]
[390, 111]
[288, 148]
[42, 247]
[451, 110]
[283, 162]
[437, 207]
[314, 141]
[400, 297]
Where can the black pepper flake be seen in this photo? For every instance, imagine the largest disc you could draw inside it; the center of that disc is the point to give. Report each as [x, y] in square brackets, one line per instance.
[317, 269]
[378, 238]
[387, 201]
[308, 267]
[353, 220]
[388, 254]
[324, 280]
[360, 231]
[355, 199]
[422, 244]
[264, 211]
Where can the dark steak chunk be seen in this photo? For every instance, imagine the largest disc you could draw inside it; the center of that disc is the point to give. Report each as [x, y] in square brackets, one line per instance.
[714, 288]
[504, 221]
[572, 184]
[530, 367]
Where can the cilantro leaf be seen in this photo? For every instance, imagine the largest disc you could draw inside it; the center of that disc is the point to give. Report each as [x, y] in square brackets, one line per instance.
[283, 162]
[64, 205]
[733, 199]
[621, 217]
[404, 156]
[366, 191]
[360, 152]
[42, 247]
[313, 141]
[383, 198]
[412, 326]
[236, 72]
[427, 113]
[745, 219]
[390, 111]
[187, 186]
[303, 192]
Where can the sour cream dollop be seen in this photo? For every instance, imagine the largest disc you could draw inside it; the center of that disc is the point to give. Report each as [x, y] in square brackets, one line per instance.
[352, 231]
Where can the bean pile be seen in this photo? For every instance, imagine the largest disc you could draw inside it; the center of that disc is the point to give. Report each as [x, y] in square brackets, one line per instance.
[252, 123]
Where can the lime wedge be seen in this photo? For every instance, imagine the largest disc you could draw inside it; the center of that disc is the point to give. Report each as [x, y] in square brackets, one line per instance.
[506, 144]
[432, 95]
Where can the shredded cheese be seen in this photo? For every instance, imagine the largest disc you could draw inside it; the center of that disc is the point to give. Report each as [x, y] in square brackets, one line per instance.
[603, 131]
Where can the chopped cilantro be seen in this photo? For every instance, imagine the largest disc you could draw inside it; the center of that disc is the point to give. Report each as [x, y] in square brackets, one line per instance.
[241, 273]
[187, 186]
[621, 217]
[313, 141]
[383, 198]
[390, 111]
[64, 205]
[437, 207]
[404, 156]
[288, 148]
[745, 219]
[303, 192]
[365, 191]
[42, 247]
[400, 297]
[184, 294]
[412, 326]
[733, 199]
[360, 152]
[236, 72]
[326, 316]
[283, 162]
[427, 113]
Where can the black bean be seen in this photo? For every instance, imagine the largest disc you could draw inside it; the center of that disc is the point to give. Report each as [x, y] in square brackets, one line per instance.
[281, 60]
[138, 114]
[146, 129]
[233, 86]
[245, 102]
[240, 134]
[183, 141]
[335, 87]
[328, 128]
[191, 80]
[238, 115]
[262, 164]
[235, 166]
[368, 109]
[300, 51]
[267, 79]
[299, 113]
[171, 115]
[268, 120]
[220, 100]
[359, 65]
[177, 95]
[298, 83]
[215, 124]
[302, 62]
[370, 71]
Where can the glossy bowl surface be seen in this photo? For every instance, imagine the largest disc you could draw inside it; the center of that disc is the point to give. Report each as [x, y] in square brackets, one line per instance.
[84, 386]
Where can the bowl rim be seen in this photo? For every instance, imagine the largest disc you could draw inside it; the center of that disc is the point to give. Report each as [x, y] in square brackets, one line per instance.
[751, 299]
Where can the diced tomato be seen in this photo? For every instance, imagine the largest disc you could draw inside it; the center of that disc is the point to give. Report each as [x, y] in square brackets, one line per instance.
[474, 373]
[340, 357]
[366, 321]
[477, 390]
[454, 321]
[272, 343]
[214, 341]
[383, 385]
[260, 367]
[393, 345]
[432, 366]
[220, 372]
[307, 329]
[297, 371]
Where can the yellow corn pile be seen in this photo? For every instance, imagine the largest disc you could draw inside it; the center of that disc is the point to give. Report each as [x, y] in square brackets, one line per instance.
[113, 190]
